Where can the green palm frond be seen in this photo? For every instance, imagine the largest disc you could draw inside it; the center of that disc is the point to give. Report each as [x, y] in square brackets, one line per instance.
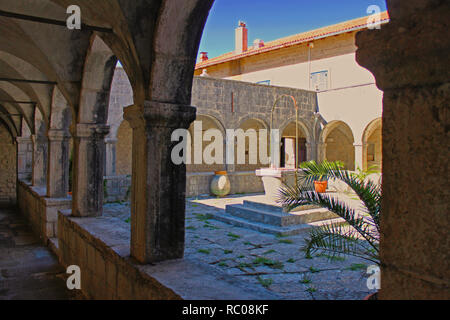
[335, 238]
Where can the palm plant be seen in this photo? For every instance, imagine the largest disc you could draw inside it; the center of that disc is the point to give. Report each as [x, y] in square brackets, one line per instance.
[360, 235]
[363, 174]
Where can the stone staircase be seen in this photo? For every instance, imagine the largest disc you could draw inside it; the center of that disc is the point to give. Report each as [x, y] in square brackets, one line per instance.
[271, 218]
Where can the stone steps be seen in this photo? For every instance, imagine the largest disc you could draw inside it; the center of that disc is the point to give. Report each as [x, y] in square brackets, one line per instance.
[268, 218]
[271, 229]
[272, 207]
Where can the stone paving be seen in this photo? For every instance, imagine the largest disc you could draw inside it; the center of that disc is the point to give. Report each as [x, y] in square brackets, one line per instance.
[276, 263]
[28, 270]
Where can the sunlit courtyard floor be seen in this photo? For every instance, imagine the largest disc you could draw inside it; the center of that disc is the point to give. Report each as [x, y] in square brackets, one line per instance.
[275, 263]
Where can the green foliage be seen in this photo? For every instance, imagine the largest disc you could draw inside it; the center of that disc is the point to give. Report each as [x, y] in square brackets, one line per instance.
[363, 174]
[319, 171]
[357, 266]
[305, 279]
[105, 188]
[267, 262]
[288, 241]
[205, 251]
[311, 290]
[232, 235]
[313, 270]
[360, 236]
[201, 217]
[265, 282]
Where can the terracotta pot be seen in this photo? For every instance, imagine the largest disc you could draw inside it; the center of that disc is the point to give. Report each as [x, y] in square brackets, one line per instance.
[320, 186]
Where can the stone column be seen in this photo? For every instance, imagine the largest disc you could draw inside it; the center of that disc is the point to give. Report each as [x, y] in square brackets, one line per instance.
[359, 155]
[409, 59]
[158, 185]
[110, 154]
[230, 154]
[88, 169]
[40, 154]
[58, 162]
[311, 151]
[321, 151]
[24, 158]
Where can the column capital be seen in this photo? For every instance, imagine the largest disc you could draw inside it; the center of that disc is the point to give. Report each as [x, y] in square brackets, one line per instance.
[160, 114]
[24, 139]
[358, 145]
[90, 130]
[402, 54]
[58, 135]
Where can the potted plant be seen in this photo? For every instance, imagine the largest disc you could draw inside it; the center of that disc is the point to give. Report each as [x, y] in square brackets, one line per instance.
[319, 172]
[361, 236]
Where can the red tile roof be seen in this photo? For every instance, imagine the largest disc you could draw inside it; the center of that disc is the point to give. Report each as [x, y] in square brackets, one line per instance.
[347, 26]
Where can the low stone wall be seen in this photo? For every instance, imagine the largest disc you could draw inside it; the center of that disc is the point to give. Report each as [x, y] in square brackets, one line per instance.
[101, 248]
[41, 212]
[117, 188]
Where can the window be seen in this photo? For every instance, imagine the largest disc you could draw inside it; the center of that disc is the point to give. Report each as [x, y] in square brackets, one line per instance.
[319, 80]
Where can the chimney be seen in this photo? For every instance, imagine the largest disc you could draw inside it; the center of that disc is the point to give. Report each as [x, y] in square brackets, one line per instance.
[241, 38]
[258, 43]
[203, 56]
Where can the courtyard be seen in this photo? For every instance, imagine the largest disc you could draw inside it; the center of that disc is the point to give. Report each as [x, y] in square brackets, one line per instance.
[270, 262]
[87, 117]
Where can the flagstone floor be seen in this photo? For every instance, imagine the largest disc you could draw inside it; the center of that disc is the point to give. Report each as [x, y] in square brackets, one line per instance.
[28, 270]
[275, 263]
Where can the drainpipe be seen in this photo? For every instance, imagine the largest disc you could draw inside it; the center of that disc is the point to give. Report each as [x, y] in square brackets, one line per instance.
[310, 46]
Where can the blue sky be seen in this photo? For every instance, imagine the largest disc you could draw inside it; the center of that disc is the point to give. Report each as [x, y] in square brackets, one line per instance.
[272, 19]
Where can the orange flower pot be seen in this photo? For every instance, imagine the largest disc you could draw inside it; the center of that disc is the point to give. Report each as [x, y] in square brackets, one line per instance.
[320, 186]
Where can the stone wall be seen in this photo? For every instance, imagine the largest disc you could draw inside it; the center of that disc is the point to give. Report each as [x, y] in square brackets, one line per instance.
[101, 248]
[40, 212]
[233, 102]
[223, 104]
[117, 188]
[8, 172]
[241, 182]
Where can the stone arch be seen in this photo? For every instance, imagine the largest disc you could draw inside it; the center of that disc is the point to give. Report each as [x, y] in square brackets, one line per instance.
[287, 143]
[175, 59]
[4, 121]
[372, 144]
[12, 124]
[208, 122]
[301, 124]
[337, 143]
[257, 124]
[96, 85]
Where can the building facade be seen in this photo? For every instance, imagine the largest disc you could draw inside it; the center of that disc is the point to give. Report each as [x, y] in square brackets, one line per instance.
[324, 61]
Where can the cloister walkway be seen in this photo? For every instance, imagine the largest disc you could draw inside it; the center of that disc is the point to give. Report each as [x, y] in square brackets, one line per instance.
[28, 270]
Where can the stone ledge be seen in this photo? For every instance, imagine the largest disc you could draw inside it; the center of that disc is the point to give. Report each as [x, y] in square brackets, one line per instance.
[106, 241]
